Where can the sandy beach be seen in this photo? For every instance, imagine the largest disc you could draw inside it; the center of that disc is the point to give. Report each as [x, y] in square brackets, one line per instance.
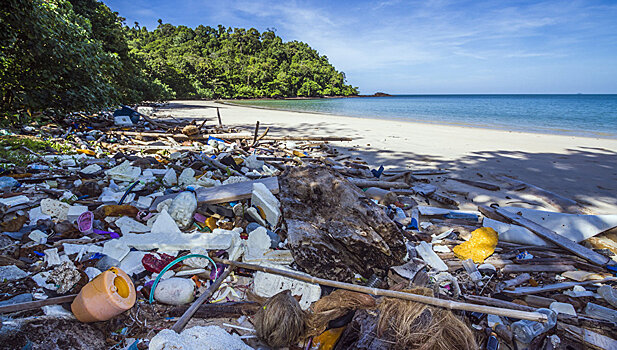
[579, 168]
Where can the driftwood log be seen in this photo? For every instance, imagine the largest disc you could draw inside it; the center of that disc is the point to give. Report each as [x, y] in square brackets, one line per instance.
[334, 231]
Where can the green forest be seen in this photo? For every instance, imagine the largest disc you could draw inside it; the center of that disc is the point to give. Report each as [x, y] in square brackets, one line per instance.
[78, 55]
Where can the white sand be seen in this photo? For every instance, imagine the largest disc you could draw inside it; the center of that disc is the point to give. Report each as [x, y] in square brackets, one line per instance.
[580, 168]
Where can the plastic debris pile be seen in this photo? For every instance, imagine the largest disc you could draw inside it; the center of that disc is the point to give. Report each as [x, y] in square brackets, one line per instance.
[147, 216]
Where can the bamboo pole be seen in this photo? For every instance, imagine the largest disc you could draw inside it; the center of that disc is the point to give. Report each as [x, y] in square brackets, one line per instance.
[447, 304]
[186, 317]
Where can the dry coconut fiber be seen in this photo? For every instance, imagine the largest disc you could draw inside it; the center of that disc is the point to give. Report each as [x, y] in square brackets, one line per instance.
[333, 306]
[280, 322]
[412, 325]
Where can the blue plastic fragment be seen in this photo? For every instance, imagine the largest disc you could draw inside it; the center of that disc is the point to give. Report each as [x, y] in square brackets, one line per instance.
[377, 173]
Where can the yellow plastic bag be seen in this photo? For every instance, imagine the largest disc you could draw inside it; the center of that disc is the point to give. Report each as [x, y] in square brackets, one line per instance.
[481, 245]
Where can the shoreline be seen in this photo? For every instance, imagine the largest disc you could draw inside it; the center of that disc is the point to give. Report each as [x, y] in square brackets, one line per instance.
[577, 167]
[544, 131]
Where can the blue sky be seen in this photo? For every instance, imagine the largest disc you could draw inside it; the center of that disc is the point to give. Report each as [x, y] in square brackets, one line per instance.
[431, 46]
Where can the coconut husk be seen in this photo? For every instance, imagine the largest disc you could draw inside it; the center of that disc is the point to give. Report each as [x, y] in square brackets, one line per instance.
[333, 306]
[281, 321]
[413, 325]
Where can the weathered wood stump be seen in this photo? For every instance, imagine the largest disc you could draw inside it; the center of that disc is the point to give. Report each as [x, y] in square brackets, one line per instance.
[334, 231]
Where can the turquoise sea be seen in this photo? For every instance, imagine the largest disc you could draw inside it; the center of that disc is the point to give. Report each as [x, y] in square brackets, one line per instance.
[580, 115]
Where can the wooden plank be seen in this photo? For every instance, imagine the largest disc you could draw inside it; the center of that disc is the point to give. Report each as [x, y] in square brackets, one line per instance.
[558, 268]
[36, 304]
[478, 184]
[553, 237]
[226, 193]
[553, 287]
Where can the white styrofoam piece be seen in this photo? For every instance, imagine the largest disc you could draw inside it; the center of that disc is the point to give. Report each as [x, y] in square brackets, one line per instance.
[198, 337]
[38, 236]
[116, 249]
[428, 255]
[75, 211]
[92, 272]
[144, 202]
[170, 178]
[124, 172]
[267, 285]
[253, 213]
[128, 225]
[131, 264]
[166, 236]
[35, 214]
[263, 198]
[55, 209]
[258, 243]
[51, 257]
[14, 201]
[91, 169]
[187, 177]
[11, 273]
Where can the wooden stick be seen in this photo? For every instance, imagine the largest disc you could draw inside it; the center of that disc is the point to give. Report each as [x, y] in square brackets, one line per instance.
[557, 268]
[479, 184]
[260, 137]
[218, 114]
[38, 156]
[186, 317]
[551, 236]
[376, 183]
[256, 131]
[36, 304]
[448, 304]
[554, 287]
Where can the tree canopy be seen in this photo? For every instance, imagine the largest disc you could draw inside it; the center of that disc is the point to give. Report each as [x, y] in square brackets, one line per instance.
[70, 55]
[221, 62]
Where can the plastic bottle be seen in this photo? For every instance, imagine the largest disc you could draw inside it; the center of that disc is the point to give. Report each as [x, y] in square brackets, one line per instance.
[107, 295]
[609, 294]
[7, 183]
[182, 209]
[525, 330]
[602, 312]
[472, 270]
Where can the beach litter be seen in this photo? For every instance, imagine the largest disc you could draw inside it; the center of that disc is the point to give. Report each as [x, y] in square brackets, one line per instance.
[260, 240]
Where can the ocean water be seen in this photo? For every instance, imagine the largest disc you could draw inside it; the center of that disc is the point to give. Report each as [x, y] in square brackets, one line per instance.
[580, 115]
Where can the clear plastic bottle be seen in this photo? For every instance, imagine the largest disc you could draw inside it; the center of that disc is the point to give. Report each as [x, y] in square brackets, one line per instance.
[602, 312]
[472, 270]
[525, 330]
[182, 209]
